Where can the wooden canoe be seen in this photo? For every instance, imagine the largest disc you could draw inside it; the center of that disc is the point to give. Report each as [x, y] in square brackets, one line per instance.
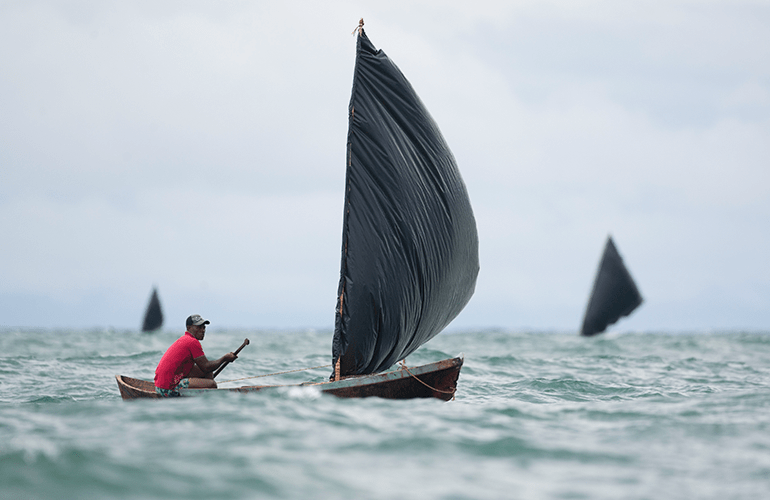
[434, 380]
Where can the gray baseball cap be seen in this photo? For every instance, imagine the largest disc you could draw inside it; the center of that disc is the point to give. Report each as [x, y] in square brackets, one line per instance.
[197, 320]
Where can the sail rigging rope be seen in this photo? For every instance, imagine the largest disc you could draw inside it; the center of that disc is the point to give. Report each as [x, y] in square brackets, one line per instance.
[452, 392]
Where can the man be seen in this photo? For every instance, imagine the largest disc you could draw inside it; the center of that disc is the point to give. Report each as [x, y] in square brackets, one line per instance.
[184, 365]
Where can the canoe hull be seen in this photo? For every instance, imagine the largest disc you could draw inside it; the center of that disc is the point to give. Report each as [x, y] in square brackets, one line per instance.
[434, 380]
[134, 388]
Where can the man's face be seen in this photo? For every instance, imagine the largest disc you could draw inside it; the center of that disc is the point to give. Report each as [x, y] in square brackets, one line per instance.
[198, 331]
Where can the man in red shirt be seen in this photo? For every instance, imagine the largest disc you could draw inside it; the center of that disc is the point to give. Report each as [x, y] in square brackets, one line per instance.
[184, 365]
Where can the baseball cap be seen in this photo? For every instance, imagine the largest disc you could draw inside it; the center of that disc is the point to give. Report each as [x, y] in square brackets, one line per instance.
[196, 320]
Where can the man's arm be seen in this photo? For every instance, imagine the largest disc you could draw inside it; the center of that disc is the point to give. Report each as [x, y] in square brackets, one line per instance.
[207, 366]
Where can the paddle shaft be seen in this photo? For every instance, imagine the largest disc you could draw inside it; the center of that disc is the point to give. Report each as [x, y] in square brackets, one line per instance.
[245, 343]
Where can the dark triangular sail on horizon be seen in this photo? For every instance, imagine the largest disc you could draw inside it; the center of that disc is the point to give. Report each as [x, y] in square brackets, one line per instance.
[153, 317]
[614, 293]
[409, 242]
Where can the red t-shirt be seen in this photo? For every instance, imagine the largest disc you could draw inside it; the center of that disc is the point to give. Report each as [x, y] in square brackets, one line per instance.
[177, 362]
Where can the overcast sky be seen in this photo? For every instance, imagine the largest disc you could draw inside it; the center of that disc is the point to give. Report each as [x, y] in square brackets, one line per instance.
[200, 147]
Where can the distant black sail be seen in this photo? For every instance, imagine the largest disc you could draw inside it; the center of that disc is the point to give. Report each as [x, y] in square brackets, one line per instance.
[409, 239]
[614, 294]
[153, 317]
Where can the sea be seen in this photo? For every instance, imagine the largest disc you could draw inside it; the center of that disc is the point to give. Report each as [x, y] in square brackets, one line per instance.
[537, 415]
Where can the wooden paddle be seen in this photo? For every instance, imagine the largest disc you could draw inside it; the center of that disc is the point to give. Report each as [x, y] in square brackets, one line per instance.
[245, 343]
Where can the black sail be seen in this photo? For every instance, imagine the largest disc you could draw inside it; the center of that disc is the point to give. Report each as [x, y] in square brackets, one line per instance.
[153, 317]
[409, 239]
[614, 293]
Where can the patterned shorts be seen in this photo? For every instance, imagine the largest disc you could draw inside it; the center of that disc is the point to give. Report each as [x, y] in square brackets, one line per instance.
[173, 393]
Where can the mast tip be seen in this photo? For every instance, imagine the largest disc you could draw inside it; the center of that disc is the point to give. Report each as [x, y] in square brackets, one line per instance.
[359, 27]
